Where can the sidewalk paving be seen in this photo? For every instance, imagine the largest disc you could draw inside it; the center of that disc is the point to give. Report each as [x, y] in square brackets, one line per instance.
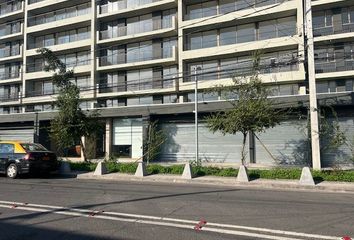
[289, 185]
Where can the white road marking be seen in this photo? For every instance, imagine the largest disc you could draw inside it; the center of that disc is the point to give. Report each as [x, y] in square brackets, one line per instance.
[162, 221]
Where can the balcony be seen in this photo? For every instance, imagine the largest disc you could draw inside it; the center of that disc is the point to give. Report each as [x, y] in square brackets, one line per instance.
[61, 24]
[275, 43]
[145, 59]
[37, 72]
[157, 28]
[40, 4]
[9, 33]
[11, 77]
[281, 9]
[319, 32]
[109, 11]
[144, 86]
[76, 45]
[11, 10]
[10, 98]
[335, 68]
[7, 55]
[61, 14]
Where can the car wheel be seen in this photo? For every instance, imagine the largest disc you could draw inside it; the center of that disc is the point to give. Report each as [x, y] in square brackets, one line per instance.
[12, 171]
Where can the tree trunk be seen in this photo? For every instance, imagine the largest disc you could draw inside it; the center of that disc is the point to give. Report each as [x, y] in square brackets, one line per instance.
[243, 153]
[83, 150]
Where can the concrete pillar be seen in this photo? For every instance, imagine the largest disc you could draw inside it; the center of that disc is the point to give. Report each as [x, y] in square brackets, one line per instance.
[315, 139]
[187, 171]
[141, 170]
[242, 175]
[100, 169]
[306, 177]
[108, 138]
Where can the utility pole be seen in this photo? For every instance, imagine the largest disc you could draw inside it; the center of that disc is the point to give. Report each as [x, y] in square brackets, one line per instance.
[196, 115]
[36, 128]
[311, 74]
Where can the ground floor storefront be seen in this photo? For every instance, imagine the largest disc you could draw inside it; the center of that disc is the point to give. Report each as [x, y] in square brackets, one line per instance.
[126, 131]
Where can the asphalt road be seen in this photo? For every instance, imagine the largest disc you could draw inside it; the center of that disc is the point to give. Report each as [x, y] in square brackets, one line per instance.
[86, 209]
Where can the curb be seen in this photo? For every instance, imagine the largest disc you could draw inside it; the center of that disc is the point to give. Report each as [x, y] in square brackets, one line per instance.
[285, 185]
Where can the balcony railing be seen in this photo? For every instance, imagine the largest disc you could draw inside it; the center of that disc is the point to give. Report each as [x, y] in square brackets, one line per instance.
[34, 1]
[41, 92]
[10, 52]
[11, 75]
[10, 29]
[148, 55]
[329, 30]
[138, 85]
[123, 5]
[40, 68]
[10, 6]
[127, 30]
[335, 66]
[15, 96]
[60, 14]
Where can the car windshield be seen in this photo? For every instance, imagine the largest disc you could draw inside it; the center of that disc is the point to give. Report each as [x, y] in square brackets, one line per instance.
[32, 147]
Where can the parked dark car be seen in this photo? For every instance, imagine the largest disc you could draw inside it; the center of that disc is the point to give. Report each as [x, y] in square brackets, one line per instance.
[19, 158]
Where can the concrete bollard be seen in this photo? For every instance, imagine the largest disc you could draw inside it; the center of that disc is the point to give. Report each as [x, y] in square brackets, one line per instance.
[141, 170]
[187, 172]
[242, 175]
[100, 169]
[306, 177]
[64, 168]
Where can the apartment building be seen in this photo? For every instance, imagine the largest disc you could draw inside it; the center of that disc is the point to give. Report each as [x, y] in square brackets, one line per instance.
[137, 61]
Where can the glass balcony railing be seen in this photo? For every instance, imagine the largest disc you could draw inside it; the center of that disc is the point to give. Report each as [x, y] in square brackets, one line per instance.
[71, 64]
[9, 52]
[10, 6]
[143, 28]
[114, 6]
[335, 66]
[132, 57]
[10, 97]
[60, 14]
[8, 29]
[329, 30]
[34, 1]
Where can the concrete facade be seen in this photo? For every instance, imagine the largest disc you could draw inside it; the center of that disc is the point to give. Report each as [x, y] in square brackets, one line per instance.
[135, 59]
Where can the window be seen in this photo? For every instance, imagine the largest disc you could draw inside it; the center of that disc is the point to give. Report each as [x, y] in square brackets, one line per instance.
[209, 39]
[246, 33]
[286, 26]
[227, 6]
[227, 36]
[6, 148]
[267, 30]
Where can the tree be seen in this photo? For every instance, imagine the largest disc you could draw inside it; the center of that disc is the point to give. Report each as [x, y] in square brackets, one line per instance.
[70, 124]
[152, 145]
[251, 111]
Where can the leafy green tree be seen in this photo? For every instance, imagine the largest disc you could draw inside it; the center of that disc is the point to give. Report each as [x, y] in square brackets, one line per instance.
[71, 123]
[251, 111]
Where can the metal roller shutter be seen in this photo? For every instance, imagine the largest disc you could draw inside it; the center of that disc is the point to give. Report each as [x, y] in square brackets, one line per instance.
[287, 142]
[24, 135]
[344, 154]
[180, 145]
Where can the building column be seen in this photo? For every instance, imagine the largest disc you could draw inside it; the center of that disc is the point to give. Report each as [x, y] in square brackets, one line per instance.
[108, 138]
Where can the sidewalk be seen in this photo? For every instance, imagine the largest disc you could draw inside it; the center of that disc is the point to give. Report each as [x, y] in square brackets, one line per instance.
[289, 185]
